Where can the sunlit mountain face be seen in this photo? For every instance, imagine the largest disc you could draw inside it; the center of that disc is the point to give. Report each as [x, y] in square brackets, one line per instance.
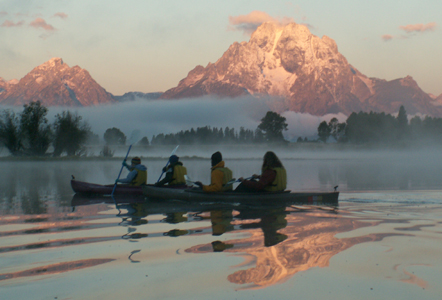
[300, 72]
[288, 66]
[54, 83]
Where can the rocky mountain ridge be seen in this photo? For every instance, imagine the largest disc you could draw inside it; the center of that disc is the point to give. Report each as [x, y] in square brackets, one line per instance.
[302, 73]
[54, 83]
[291, 68]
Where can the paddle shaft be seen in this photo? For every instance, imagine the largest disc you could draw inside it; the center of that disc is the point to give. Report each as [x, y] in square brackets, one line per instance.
[119, 174]
[173, 152]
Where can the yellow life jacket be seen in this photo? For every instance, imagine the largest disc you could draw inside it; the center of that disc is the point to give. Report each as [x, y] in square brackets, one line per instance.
[226, 178]
[140, 179]
[178, 175]
[280, 182]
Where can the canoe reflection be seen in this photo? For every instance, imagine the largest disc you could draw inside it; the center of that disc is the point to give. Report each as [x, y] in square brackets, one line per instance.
[279, 241]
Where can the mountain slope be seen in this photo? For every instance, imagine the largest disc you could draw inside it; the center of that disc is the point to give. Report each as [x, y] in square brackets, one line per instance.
[54, 83]
[302, 73]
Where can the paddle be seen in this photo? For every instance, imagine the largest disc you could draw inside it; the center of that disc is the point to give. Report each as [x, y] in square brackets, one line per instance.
[173, 152]
[119, 174]
[133, 139]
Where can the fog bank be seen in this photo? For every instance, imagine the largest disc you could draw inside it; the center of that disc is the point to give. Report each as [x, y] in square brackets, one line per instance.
[171, 116]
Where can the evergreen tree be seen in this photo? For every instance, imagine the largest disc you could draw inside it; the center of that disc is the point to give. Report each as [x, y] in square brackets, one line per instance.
[10, 132]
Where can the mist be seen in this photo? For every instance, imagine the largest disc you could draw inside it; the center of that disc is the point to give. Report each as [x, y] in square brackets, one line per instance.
[171, 116]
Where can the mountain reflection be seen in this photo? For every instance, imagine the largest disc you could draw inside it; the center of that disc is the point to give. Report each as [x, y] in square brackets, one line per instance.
[289, 242]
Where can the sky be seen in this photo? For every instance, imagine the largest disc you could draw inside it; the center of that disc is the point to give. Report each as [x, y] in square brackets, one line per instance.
[149, 46]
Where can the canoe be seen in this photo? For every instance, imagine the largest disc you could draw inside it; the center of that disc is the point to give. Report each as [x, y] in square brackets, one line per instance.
[196, 195]
[82, 187]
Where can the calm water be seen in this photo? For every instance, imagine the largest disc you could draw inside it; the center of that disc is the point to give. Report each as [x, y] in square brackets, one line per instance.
[383, 241]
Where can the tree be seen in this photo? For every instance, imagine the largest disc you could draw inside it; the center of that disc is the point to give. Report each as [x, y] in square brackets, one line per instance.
[70, 133]
[10, 132]
[272, 126]
[144, 141]
[336, 129]
[324, 131]
[35, 129]
[114, 136]
[402, 123]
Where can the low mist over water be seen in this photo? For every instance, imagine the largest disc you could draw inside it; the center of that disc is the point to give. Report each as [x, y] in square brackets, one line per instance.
[306, 170]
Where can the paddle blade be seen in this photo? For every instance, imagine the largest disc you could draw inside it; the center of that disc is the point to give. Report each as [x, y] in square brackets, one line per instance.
[134, 137]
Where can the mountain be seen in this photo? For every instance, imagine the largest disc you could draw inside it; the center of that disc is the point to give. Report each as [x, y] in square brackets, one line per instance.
[132, 96]
[54, 83]
[302, 73]
[6, 85]
[437, 100]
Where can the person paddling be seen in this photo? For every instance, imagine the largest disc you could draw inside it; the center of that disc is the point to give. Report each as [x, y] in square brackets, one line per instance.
[273, 177]
[219, 177]
[137, 173]
[175, 173]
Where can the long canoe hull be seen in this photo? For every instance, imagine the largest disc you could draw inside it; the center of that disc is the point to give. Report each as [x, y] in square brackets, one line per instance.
[191, 195]
[87, 188]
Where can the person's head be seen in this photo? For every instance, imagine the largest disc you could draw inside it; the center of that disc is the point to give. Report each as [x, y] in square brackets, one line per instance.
[271, 161]
[135, 161]
[216, 158]
[173, 159]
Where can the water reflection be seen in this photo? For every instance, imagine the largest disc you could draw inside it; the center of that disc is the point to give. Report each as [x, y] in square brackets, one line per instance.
[290, 241]
[56, 268]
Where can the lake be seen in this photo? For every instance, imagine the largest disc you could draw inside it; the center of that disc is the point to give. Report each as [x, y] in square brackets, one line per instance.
[383, 240]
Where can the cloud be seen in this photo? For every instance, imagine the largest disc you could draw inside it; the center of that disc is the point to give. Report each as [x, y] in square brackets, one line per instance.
[411, 28]
[40, 23]
[3, 13]
[387, 37]
[61, 15]
[8, 23]
[249, 23]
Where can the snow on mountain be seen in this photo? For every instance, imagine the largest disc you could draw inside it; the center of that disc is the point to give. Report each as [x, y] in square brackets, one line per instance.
[54, 83]
[302, 73]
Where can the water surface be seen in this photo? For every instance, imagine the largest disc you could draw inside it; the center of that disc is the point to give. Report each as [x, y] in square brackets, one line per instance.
[383, 241]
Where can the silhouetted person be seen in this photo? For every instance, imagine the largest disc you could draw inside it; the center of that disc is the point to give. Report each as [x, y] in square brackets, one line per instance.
[175, 173]
[273, 177]
[219, 177]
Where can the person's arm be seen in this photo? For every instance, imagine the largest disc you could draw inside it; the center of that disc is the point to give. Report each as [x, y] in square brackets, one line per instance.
[267, 177]
[216, 184]
[129, 177]
[168, 178]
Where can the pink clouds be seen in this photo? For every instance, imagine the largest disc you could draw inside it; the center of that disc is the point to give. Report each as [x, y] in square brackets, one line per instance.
[3, 13]
[419, 27]
[40, 23]
[8, 23]
[61, 15]
[249, 23]
[387, 37]
[411, 29]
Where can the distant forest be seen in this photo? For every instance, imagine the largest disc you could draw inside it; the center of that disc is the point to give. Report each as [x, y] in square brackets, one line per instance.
[381, 128]
[29, 133]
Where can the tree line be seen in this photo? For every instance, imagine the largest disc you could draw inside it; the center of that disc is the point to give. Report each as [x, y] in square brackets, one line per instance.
[381, 128]
[29, 133]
